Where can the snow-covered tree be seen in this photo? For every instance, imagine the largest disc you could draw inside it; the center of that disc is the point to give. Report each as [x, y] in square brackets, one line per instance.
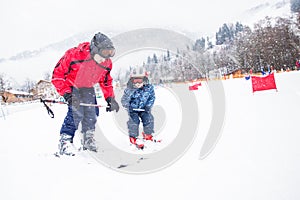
[28, 85]
[295, 6]
[268, 44]
[2, 83]
[47, 76]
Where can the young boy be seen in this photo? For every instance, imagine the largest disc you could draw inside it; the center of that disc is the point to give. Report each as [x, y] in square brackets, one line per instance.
[138, 99]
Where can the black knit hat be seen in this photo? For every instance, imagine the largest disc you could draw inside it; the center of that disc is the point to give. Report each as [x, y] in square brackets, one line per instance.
[99, 43]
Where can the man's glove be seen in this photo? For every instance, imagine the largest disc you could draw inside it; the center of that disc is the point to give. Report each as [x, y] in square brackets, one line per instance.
[112, 104]
[72, 100]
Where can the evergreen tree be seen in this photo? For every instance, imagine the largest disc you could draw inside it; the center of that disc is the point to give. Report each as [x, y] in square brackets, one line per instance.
[227, 34]
[155, 59]
[219, 37]
[295, 6]
[238, 28]
[209, 43]
[148, 60]
[199, 45]
[168, 55]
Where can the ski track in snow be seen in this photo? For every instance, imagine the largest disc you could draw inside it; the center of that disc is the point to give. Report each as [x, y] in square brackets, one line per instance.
[257, 156]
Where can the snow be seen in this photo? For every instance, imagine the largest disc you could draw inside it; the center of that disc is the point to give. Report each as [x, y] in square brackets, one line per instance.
[18, 92]
[257, 155]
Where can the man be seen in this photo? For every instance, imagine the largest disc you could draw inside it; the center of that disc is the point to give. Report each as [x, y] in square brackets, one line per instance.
[74, 77]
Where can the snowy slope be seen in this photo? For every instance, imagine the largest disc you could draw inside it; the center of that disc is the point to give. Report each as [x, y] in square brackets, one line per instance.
[256, 157]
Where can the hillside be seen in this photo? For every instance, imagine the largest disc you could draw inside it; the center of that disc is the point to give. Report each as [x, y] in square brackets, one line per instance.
[35, 62]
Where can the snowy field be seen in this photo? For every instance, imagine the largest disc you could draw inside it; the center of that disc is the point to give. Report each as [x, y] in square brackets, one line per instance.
[257, 155]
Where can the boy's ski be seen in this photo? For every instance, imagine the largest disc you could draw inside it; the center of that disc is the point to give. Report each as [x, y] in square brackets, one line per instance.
[136, 142]
[139, 146]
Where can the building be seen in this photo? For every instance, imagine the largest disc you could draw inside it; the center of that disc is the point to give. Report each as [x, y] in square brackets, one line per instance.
[237, 73]
[44, 89]
[13, 96]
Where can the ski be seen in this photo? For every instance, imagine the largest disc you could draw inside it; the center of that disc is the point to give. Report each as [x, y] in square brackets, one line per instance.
[149, 137]
[134, 141]
[140, 146]
[59, 155]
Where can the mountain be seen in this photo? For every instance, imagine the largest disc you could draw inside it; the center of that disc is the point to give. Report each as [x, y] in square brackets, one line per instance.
[248, 17]
[62, 45]
[34, 63]
[271, 9]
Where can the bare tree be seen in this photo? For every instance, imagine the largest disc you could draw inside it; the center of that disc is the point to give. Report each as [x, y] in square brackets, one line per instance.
[28, 85]
[47, 76]
[268, 44]
[2, 83]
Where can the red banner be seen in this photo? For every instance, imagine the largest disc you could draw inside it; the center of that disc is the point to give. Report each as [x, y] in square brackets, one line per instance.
[263, 83]
[195, 86]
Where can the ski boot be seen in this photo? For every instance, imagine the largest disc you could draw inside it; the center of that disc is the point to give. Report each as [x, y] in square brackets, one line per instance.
[136, 142]
[88, 141]
[149, 137]
[65, 146]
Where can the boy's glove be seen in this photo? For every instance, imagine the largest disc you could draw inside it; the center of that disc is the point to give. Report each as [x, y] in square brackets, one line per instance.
[112, 104]
[72, 100]
[129, 109]
[147, 109]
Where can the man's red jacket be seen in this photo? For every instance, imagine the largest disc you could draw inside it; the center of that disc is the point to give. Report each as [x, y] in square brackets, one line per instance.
[78, 69]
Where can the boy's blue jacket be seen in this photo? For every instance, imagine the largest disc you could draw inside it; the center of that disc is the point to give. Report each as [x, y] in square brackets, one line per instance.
[142, 98]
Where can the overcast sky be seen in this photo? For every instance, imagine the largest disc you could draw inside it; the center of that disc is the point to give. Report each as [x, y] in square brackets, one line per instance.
[30, 24]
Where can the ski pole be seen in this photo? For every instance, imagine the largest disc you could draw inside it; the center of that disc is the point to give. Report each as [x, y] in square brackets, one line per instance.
[138, 109]
[93, 105]
[82, 104]
[50, 112]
